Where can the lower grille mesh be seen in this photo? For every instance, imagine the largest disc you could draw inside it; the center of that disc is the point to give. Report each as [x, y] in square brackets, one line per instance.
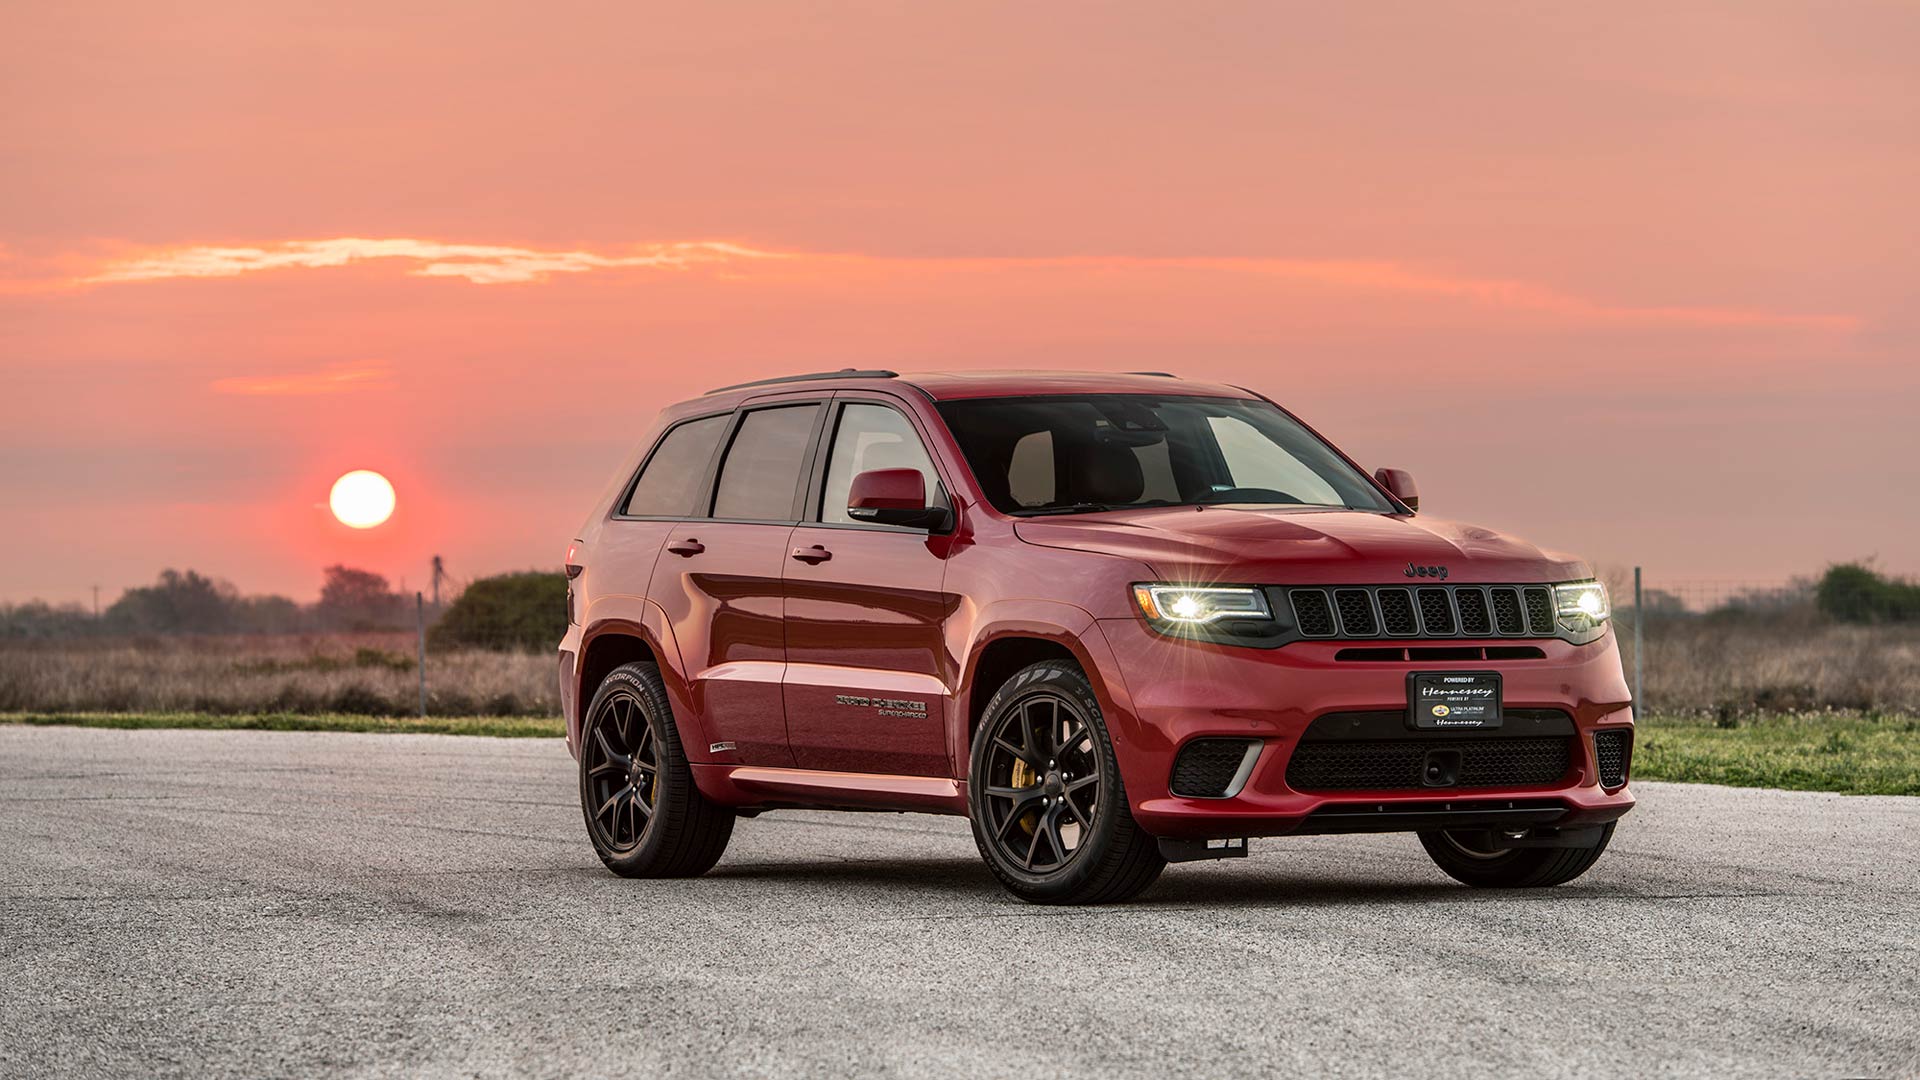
[1397, 764]
[1612, 749]
[1206, 767]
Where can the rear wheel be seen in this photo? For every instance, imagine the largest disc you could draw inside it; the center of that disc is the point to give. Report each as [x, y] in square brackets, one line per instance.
[1469, 857]
[644, 814]
[1049, 811]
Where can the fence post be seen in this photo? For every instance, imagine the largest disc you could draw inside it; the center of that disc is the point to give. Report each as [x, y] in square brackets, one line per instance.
[420, 623]
[1639, 616]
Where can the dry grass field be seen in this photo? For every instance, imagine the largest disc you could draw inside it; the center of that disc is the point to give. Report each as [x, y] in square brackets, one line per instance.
[370, 674]
[1728, 666]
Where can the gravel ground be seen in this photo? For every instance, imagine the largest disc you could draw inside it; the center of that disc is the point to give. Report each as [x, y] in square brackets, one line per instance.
[265, 904]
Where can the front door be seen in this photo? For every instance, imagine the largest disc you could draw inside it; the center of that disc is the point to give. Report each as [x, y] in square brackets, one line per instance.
[868, 677]
[719, 579]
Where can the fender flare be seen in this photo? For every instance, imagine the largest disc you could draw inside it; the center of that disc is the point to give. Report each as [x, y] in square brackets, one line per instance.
[1065, 625]
[641, 618]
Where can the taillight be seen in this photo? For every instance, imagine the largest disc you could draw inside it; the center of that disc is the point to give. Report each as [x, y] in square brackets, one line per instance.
[574, 566]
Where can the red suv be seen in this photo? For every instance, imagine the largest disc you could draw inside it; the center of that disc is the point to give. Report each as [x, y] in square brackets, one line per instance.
[1115, 620]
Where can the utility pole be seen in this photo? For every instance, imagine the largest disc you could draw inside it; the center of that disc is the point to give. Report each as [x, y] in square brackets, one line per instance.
[96, 603]
[439, 571]
[420, 623]
[1639, 616]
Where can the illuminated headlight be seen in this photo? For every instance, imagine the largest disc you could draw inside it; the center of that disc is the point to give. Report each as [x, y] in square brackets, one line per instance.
[1581, 605]
[1189, 605]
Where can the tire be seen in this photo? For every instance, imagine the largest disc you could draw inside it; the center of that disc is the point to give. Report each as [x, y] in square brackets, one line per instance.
[1517, 868]
[1053, 824]
[643, 813]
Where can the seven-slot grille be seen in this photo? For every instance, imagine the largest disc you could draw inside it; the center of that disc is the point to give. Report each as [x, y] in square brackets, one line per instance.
[1434, 611]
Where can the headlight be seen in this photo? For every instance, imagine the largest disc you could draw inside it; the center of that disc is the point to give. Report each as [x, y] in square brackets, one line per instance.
[1196, 605]
[1581, 605]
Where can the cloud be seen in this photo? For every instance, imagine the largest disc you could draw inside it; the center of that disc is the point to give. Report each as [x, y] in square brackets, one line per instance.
[494, 264]
[481, 264]
[332, 379]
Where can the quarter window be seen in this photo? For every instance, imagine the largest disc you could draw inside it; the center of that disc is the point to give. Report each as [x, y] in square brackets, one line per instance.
[761, 475]
[871, 437]
[670, 480]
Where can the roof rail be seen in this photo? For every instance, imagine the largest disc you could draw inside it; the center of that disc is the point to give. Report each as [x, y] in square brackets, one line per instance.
[843, 373]
[1156, 374]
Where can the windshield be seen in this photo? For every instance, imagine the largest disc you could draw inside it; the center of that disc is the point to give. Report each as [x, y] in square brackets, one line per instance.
[1071, 454]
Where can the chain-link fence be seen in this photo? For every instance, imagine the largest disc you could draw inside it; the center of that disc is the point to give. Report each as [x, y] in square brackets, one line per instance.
[1728, 646]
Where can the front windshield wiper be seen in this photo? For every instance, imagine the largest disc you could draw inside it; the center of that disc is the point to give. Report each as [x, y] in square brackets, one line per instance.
[1066, 508]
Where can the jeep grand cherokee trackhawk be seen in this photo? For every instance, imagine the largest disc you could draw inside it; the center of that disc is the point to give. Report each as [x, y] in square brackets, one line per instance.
[1115, 620]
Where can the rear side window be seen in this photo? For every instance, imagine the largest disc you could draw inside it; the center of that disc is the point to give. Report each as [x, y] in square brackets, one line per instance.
[761, 476]
[670, 481]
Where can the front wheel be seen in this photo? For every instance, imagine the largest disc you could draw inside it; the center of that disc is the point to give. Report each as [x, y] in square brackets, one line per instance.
[644, 814]
[1049, 812]
[1469, 858]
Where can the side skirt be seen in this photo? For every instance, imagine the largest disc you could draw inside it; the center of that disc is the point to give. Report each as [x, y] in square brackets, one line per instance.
[759, 786]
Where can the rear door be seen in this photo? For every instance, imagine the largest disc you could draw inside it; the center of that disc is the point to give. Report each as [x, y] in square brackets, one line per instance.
[719, 579]
[867, 668]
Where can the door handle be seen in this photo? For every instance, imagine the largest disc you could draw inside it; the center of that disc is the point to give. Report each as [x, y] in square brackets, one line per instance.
[815, 554]
[687, 547]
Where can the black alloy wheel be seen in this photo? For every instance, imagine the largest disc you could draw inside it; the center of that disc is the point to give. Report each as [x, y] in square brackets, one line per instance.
[623, 771]
[1049, 810]
[1043, 782]
[644, 814]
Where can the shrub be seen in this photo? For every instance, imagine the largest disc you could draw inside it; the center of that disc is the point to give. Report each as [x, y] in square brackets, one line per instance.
[524, 610]
[1853, 593]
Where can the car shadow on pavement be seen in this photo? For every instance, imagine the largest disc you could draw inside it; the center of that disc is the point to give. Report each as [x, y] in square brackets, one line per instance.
[954, 874]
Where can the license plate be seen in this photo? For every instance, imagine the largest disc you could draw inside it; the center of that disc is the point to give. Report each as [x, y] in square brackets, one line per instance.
[1453, 699]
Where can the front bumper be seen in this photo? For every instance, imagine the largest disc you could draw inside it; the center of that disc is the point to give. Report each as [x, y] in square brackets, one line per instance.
[1164, 692]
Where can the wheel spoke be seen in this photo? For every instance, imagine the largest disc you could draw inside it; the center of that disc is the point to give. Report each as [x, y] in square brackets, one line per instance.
[600, 735]
[1081, 819]
[1085, 781]
[1018, 752]
[1033, 845]
[605, 767]
[1050, 824]
[609, 804]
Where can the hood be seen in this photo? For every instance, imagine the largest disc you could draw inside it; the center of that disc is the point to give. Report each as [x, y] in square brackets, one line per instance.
[1290, 545]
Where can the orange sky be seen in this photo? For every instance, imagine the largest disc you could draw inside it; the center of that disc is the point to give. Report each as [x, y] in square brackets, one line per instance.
[1635, 282]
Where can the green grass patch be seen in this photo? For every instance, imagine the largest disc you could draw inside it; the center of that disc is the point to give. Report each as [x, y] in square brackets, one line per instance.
[1853, 753]
[510, 727]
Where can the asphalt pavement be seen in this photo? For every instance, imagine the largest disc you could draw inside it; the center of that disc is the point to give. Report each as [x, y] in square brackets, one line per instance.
[185, 903]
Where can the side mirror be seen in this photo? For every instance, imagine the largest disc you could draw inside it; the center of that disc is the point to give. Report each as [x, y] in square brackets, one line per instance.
[893, 497]
[1400, 483]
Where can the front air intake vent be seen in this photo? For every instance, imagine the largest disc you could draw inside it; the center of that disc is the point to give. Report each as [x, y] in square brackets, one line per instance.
[1356, 612]
[1396, 610]
[1508, 619]
[1212, 768]
[1613, 750]
[1474, 619]
[1539, 611]
[1436, 614]
[1312, 613]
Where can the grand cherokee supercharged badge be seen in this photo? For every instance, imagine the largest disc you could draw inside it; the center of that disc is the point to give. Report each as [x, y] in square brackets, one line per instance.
[905, 708]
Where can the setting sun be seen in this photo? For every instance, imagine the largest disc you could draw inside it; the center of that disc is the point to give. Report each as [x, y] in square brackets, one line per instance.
[361, 499]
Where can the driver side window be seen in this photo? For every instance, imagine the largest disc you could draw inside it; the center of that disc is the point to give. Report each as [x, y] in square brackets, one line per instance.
[871, 437]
